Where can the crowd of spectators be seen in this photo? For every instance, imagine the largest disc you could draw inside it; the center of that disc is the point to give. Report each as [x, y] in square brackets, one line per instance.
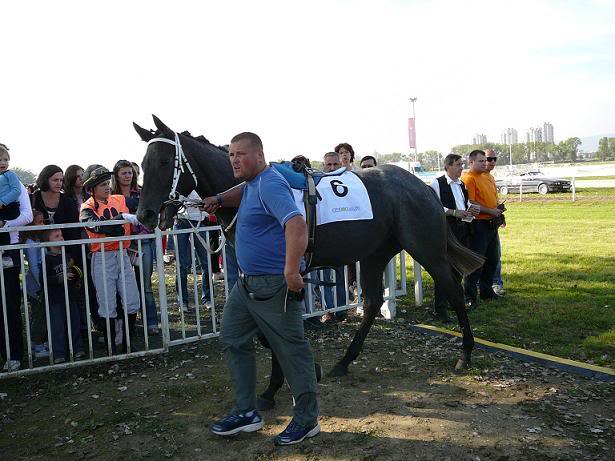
[54, 280]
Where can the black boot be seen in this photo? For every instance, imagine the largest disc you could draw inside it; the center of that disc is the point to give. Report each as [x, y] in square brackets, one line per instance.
[266, 401]
[132, 321]
[102, 326]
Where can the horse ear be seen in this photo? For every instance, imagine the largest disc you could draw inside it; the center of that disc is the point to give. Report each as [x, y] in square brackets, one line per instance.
[145, 135]
[162, 127]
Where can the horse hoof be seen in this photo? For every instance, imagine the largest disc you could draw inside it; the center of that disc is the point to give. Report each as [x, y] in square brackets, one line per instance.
[319, 372]
[263, 404]
[462, 365]
[337, 371]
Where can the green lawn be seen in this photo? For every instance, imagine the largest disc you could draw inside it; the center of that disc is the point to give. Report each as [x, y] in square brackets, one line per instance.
[589, 178]
[559, 273]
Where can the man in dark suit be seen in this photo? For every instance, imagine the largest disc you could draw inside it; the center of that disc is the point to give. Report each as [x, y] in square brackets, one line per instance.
[454, 197]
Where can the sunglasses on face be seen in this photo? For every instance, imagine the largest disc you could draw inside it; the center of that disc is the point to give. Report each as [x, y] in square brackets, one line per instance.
[491, 159]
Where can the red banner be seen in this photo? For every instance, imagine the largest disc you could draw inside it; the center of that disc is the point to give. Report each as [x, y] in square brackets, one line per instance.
[411, 133]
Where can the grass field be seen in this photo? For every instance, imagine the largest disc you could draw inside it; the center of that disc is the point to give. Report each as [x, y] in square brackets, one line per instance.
[559, 273]
[589, 178]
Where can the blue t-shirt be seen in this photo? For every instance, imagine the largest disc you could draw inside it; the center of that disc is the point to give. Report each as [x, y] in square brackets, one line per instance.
[9, 187]
[266, 205]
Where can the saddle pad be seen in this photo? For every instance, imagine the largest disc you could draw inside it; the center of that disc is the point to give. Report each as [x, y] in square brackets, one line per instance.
[340, 198]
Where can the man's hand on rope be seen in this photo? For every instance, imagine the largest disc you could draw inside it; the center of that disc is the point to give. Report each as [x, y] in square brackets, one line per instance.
[209, 204]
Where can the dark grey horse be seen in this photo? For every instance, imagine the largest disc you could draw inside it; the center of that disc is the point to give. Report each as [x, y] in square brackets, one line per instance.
[407, 215]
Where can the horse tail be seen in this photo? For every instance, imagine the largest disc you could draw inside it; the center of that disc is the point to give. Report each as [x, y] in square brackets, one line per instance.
[464, 260]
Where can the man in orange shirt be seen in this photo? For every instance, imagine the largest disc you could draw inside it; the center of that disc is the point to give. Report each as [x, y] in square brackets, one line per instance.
[484, 236]
[498, 283]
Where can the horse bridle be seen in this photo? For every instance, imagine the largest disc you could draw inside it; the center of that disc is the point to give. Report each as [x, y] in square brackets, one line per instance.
[181, 161]
[178, 168]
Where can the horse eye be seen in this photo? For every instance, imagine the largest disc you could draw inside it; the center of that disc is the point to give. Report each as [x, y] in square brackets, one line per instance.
[165, 161]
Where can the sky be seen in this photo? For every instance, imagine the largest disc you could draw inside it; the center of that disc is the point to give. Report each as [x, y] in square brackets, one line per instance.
[303, 75]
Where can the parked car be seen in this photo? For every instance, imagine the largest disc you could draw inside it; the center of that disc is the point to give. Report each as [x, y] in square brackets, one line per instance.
[532, 181]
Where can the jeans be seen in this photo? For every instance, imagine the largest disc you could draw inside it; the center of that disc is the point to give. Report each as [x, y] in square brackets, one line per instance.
[497, 276]
[148, 247]
[483, 241]
[59, 326]
[185, 259]
[340, 288]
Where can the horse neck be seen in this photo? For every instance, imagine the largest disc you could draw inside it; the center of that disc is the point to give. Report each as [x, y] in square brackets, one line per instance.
[215, 174]
[212, 169]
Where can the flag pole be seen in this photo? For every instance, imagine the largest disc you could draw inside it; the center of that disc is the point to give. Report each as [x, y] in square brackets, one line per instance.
[413, 128]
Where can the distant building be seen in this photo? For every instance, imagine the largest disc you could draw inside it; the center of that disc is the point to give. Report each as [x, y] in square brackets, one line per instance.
[509, 136]
[479, 139]
[534, 135]
[547, 131]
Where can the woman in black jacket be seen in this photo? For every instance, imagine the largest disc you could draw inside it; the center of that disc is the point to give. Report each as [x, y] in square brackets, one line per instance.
[57, 208]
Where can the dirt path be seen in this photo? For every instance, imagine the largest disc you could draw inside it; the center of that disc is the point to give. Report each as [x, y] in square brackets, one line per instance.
[400, 401]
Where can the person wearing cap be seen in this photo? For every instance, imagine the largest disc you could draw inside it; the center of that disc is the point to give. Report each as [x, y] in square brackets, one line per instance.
[107, 265]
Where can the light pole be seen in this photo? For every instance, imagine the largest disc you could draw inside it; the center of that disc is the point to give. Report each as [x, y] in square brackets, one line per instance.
[510, 146]
[413, 100]
[510, 132]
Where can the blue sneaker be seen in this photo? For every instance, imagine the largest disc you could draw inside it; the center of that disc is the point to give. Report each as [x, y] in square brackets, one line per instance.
[295, 433]
[232, 424]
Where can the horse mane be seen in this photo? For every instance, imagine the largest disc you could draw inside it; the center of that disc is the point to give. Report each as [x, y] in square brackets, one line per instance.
[203, 140]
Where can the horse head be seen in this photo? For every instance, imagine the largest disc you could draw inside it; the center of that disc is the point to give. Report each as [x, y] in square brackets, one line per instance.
[158, 169]
[166, 174]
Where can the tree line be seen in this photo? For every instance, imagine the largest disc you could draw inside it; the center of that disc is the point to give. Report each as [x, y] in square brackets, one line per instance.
[606, 149]
[564, 151]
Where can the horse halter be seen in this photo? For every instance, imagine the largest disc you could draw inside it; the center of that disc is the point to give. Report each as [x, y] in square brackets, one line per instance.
[181, 161]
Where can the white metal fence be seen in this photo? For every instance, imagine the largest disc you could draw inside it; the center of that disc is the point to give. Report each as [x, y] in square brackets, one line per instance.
[99, 339]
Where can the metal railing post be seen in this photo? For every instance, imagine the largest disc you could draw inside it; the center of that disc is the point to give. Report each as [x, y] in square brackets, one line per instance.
[418, 284]
[162, 291]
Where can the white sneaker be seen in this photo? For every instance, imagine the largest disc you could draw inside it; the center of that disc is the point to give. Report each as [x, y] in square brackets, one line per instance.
[153, 330]
[41, 351]
[7, 262]
[499, 290]
[12, 365]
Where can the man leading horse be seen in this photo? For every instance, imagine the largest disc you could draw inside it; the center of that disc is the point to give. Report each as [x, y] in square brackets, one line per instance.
[271, 238]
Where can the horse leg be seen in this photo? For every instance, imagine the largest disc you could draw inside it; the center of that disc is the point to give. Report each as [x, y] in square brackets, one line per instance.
[372, 270]
[427, 245]
[266, 401]
[442, 274]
